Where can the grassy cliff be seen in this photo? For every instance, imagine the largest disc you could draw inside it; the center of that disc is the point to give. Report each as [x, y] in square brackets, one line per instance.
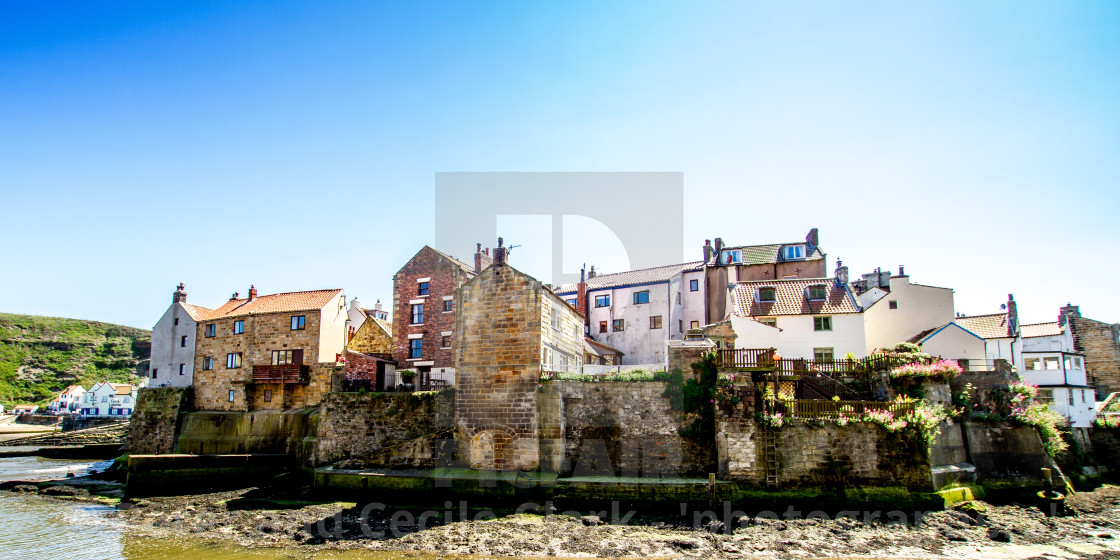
[40, 356]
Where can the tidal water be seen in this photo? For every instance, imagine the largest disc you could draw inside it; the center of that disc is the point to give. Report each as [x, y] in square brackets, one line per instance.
[34, 527]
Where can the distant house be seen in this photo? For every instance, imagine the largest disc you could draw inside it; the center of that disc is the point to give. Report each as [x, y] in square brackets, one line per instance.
[1050, 361]
[1099, 342]
[954, 342]
[70, 399]
[108, 400]
[21, 409]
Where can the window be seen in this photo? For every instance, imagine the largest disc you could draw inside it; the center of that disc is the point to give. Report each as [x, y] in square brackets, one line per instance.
[892, 304]
[233, 360]
[641, 297]
[281, 357]
[268, 395]
[1045, 396]
[823, 354]
[1083, 398]
[417, 313]
[770, 321]
[1032, 364]
[298, 322]
[678, 298]
[1078, 363]
[795, 252]
[655, 322]
[155, 374]
[231, 393]
[183, 341]
[694, 285]
[602, 301]
[602, 326]
[1050, 363]
[445, 342]
[577, 332]
[555, 318]
[1068, 362]
[732, 257]
[817, 292]
[767, 294]
[208, 364]
[126, 400]
[572, 302]
[414, 348]
[422, 288]
[694, 324]
[1070, 391]
[211, 330]
[619, 324]
[176, 320]
[238, 327]
[448, 305]
[182, 369]
[822, 323]
[104, 399]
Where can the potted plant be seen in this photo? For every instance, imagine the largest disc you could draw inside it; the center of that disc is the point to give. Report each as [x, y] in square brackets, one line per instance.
[407, 377]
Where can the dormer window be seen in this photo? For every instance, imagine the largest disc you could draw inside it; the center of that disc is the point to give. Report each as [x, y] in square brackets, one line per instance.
[794, 252]
[817, 292]
[767, 294]
[732, 257]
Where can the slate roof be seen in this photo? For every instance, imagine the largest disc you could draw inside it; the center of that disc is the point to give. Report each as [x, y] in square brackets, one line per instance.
[995, 325]
[630, 277]
[598, 348]
[1042, 329]
[468, 268]
[275, 303]
[767, 254]
[791, 298]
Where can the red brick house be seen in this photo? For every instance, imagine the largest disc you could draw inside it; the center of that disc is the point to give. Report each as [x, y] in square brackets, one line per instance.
[424, 312]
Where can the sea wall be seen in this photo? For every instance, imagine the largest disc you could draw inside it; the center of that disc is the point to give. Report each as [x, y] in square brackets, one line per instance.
[1005, 452]
[291, 432]
[826, 455]
[617, 429]
[155, 419]
[360, 430]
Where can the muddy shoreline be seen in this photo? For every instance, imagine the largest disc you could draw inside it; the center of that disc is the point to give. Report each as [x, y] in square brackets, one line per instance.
[290, 519]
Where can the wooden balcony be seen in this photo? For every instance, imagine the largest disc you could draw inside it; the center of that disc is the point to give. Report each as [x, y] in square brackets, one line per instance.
[286, 373]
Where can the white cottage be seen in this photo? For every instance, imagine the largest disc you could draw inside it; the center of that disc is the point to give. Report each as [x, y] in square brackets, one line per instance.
[109, 400]
[1051, 362]
[173, 343]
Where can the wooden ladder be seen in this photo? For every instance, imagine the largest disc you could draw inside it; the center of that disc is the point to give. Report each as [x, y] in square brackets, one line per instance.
[770, 457]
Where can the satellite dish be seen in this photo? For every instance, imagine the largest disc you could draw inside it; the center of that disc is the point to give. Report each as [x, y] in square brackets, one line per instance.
[1003, 306]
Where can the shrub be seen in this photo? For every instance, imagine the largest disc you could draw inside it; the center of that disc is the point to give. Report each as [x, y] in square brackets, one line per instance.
[942, 369]
[1107, 422]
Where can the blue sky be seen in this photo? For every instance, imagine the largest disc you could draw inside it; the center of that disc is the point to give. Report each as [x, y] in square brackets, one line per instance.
[294, 145]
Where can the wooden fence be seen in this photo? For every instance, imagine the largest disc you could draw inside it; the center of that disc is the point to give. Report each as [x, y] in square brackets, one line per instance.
[834, 409]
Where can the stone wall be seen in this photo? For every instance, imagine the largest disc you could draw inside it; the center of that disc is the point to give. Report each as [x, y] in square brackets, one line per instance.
[684, 353]
[615, 429]
[290, 432]
[1100, 342]
[1106, 447]
[823, 455]
[155, 420]
[384, 429]
[497, 362]
[372, 338]
[1001, 451]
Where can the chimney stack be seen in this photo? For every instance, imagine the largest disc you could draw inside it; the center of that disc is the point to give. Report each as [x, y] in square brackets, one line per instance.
[234, 296]
[812, 240]
[1012, 314]
[180, 295]
[1068, 312]
[901, 271]
[581, 296]
[719, 250]
[252, 292]
[707, 250]
[481, 258]
[500, 253]
[841, 273]
[591, 273]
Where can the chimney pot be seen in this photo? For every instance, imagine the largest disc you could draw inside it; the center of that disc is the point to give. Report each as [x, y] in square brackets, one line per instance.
[180, 295]
[901, 271]
[234, 296]
[252, 292]
[500, 253]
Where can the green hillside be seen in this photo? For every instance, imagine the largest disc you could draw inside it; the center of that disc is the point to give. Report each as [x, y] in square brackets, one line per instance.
[40, 356]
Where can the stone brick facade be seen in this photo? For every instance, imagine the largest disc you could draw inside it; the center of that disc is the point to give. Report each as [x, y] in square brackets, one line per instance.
[262, 335]
[444, 275]
[504, 321]
[373, 337]
[1100, 343]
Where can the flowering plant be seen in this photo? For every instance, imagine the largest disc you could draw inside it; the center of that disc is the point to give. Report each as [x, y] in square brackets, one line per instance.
[774, 420]
[884, 418]
[1043, 419]
[927, 418]
[945, 369]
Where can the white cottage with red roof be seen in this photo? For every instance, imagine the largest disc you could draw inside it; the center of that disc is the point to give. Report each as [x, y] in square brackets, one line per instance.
[109, 400]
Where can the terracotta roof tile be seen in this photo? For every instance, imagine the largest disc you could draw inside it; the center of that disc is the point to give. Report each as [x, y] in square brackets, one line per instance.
[197, 312]
[275, 303]
[987, 326]
[791, 297]
[1042, 329]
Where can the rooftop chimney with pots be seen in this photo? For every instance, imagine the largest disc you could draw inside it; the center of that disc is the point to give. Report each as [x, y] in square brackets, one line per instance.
[719, 250]
[500, 253]
[901, 271]
[1068, 312]
[180, 295]
[581, 294]
[591, 273]
[481, 258]
[1012, 314]
[252, 293]
[841, 273]
[234, 296]
[707, 250]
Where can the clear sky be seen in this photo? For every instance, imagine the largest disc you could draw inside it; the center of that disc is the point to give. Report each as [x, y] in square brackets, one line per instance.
[294, 145]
